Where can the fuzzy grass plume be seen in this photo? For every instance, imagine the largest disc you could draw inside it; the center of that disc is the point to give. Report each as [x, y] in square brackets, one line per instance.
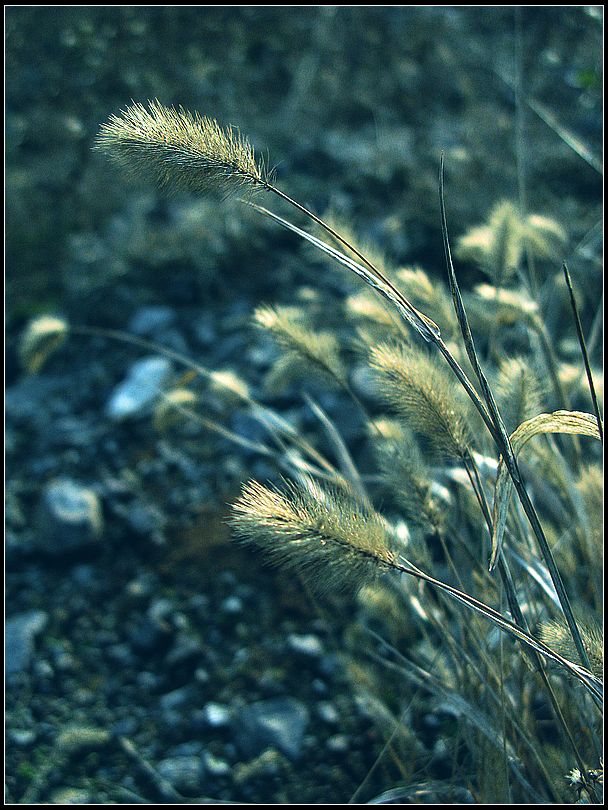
[519, 390]
[556, 634]
[421, 393]
[498, 246]
[180, 149]
[314, 349]
[39, 340]
[406, 476]
[332, 539]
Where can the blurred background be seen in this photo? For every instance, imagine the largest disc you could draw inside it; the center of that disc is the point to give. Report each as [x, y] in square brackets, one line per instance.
[137, 634]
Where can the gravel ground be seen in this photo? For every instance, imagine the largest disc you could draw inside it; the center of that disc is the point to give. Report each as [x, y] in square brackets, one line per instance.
[138, 634]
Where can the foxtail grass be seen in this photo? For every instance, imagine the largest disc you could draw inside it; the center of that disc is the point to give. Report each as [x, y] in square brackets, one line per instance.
[448, 462]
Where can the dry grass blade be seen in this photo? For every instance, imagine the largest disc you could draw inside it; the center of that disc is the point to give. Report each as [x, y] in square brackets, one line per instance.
[338, 543]
[499, 433]
[581, 340]
[423, 325]
[573, 422]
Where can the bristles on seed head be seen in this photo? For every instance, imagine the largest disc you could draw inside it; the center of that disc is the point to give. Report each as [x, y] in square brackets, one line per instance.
[330, 538]
[39, 340]
[180, 149]
[419, 391]
[556, 634]
[316, 350]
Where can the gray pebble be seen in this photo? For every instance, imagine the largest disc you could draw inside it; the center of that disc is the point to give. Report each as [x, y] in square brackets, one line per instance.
[276, 723]
[307, 645]
[328, 712]
[139, 389]
[339, 743]
[232, 605]
[185, 773]
[175, 699]
[69, 517]
[19, 636]
[22, 737]
[216, 715]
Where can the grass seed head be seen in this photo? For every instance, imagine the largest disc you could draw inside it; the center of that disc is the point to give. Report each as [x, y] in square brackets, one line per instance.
[333, 540]
[40, 339]
[419, 391]
[179, 149]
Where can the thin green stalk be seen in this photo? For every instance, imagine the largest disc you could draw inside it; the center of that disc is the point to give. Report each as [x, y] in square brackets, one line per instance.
[517, 614]
[581, 340]
[488, 411]
[519, 147]
[182, 359]
[502, 439]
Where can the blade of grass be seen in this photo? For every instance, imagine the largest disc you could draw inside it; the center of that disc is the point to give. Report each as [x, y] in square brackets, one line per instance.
[517, 613]
[501, 436]
[581, 340]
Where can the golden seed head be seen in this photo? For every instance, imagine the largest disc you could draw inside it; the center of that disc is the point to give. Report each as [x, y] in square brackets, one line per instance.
[40, 339]
[180, 149]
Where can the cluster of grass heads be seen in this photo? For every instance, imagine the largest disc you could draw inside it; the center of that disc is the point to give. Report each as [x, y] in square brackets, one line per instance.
[473, 546]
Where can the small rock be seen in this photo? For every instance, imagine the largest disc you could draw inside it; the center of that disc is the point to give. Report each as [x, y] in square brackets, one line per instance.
[232, 605]
[81, 738]
[84, 575]
[149, 636]
[122, 654]
[23, 737]
[307, 645]
[43, 670]
[176, 699]
[147, 681]
[142, 586]
[328, 712]
[146, 519]
[185, 649]
[69, 517]
[276, 723]
[216, 715]
[185, 773]
[19, 636]
[139, 389]
[270, 763]
[69, 795]
[320, 687]
[215, 766]
[338, 744]
[201, 675]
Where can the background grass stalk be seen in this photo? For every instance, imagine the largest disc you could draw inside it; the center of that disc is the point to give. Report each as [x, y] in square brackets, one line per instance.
[581, 340]
[500, 433]
[516, 612]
